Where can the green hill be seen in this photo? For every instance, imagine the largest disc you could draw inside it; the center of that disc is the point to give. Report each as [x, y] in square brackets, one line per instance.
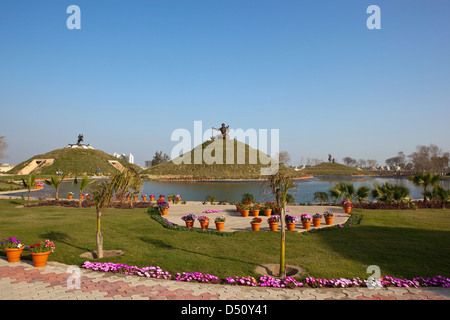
[70, 161]
[243, 162]
[328, 168]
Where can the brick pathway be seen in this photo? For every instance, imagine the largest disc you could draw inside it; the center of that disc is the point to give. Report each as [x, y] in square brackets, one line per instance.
[22, 281]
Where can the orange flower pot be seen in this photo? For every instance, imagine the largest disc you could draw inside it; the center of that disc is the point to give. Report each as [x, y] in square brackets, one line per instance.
[88, 197]
[290, 226]
[14, 254]
[347, 209]
[316, 222]
[306, 224]
[329, 221]
[144, 198]
[152, 199]
[268, 212]
[81, 197]
[70, 197]
[189, 224]
[255, 213]
[219, 226]
[256, 226]
[273, 226]
[204, 225]
[245, 213]
[40, 258]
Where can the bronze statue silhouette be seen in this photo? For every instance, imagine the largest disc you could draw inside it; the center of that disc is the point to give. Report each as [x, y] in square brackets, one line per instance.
[223, 132]
[80, 139]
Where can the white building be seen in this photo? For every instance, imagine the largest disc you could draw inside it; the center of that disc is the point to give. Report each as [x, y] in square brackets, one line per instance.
[130, 158]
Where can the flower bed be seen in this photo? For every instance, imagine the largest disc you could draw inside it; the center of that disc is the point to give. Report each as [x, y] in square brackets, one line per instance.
[267, 281]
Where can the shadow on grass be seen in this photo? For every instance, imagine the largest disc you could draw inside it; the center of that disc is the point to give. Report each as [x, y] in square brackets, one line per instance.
[407, 252]
[61, 237]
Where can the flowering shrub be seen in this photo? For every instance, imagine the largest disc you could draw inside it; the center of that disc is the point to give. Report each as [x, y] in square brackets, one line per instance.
[220, 219]
[11, 243]
[317, 216]
[188, 217]
[256, 220]
[291, 219]
[267, 281]
[178, 196]
[203, 219]
[347, 204]
[43, 246]
[163, 205]
[328, 214]
[305, 217]
[274, 218]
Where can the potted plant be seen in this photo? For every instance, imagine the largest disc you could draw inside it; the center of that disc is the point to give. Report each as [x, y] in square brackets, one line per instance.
[88, 196]
[306, 221]
[328, 217]
[268, 207]
[178, 198]
[255, 210]
[245, 210]
[13, 248]
[256, 223]
[317, 218]
[163, 207]
[40, 252]
[161, 197]
[290, 222]
[152, 197]
[220, 222]
[70, 195]
[273, 221]
[347, 205]
[81, 196]
[144, 197]
[204, 222]
[189, 219]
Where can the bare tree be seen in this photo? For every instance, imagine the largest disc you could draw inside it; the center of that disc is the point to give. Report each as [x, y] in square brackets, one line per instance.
[3, 146]
[349, 161]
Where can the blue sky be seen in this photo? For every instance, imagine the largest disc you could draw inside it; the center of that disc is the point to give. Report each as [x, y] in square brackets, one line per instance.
[138, 70]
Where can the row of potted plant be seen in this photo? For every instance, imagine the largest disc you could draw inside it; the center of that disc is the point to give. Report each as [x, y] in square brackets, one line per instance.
[39, 251]
[189, 219]
[291, 221]
[267, 281]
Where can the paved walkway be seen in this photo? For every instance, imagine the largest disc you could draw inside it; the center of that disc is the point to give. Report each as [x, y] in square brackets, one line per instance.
[22, 281]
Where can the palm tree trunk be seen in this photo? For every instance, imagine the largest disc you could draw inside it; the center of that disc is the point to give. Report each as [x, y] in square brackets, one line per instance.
[99, 236]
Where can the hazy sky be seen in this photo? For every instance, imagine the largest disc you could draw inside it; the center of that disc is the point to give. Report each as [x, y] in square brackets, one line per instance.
[138, 70]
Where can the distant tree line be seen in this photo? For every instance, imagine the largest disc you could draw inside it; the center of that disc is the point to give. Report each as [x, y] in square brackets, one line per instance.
[425, 159]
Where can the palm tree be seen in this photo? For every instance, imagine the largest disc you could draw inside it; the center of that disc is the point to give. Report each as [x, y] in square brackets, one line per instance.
[440, 194]
[400, 194]
[29, 184]
[362, 193]
[84, 183]
[425, 180]
[279, 185]
[346, 191]
[321, 196]
[55, 182]
[389, 193]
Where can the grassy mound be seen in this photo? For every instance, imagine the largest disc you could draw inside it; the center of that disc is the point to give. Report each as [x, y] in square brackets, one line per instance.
[73, 162]
[232, 160]
[327, 168]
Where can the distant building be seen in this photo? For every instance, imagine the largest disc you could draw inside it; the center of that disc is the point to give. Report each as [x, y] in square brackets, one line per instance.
[130, 158]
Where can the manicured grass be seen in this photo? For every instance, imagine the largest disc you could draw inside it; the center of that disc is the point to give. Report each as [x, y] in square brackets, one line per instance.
[404, 243]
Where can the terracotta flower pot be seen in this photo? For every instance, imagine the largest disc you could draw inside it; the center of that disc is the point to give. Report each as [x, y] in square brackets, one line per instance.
[245, 213]
[204, 225]
[347, 209]
[273, 226]
[316, 222]
[40, 258]
[329, 221]
[255, 213]
[70, 197]
[290, 226]
[306, 224]
[152, 199]
[13, 254]
[219, 226]
[144, 198]
[256, 226]
[189, 224]
[164, 212]
[268, 212]
[81, 197]
[88, 197]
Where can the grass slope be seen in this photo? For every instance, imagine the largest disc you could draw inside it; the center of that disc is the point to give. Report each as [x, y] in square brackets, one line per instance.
[327, 168]
[74, 162]
[232, 160]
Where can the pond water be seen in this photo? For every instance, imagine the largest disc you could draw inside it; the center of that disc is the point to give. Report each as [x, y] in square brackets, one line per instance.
[233, 191]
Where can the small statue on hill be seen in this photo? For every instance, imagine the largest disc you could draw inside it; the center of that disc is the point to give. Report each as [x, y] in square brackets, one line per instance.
[80, 139]
[223, 132]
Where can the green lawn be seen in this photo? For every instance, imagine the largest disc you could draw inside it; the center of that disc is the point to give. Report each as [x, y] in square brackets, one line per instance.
[402, 243]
